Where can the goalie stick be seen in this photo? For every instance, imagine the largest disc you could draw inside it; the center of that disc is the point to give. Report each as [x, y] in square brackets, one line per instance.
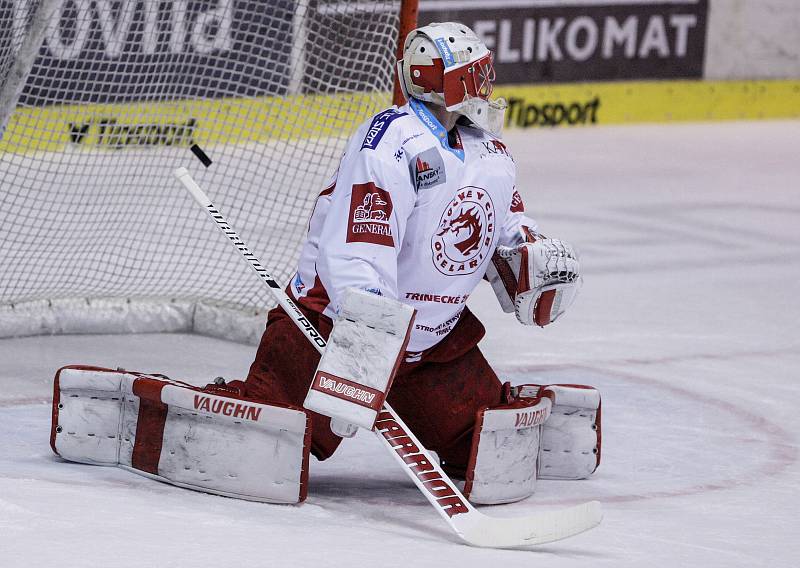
[474, 527]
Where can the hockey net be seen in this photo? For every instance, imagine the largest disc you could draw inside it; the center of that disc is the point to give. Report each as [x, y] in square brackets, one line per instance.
[96, 235]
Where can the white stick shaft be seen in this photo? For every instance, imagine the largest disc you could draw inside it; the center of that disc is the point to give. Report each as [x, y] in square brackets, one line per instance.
[471, 525]
[285, 302]
[390, 428]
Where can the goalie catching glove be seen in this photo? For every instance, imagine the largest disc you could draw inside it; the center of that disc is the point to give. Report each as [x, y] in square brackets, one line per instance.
[538, 279]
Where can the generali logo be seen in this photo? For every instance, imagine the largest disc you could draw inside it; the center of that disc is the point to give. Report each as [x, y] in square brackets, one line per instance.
[370, 210]
[466, 229]
[226, 408]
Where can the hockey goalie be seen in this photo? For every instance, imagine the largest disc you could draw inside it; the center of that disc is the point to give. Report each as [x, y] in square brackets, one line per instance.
[422, 207]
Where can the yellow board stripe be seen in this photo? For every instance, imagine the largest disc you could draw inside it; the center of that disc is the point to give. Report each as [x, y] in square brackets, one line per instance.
[656, 101]
[238, 121]
[206, 122]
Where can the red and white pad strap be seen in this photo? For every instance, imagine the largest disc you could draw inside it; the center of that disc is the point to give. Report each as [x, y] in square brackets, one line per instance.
[181, 434]
[358, 365]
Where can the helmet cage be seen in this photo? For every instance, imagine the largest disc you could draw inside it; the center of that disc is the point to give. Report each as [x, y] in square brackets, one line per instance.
[476, 79]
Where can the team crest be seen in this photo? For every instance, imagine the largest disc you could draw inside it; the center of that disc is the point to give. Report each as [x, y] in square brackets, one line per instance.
[464, 236]
[370, 210]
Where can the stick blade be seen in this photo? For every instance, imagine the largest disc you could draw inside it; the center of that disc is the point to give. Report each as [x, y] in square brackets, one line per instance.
[547, 526]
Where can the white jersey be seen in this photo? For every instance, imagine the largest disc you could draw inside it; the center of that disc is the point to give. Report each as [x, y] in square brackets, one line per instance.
[411, 216]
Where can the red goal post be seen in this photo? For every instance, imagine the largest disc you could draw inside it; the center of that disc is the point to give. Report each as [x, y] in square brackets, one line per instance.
[409, 12]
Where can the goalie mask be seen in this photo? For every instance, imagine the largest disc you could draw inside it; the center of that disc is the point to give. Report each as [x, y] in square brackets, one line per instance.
[448, 65]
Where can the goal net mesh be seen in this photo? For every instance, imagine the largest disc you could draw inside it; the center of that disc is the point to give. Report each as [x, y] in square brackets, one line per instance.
[118, 92]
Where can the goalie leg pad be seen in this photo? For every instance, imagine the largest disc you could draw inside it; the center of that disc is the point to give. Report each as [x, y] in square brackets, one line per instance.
[180, 434]
[364, 351]
[505, 449]
[571, 437]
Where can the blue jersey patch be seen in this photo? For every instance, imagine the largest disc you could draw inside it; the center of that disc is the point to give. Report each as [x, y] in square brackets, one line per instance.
[378, 127]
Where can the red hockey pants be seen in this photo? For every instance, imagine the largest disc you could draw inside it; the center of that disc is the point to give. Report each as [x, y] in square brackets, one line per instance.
[437, 396]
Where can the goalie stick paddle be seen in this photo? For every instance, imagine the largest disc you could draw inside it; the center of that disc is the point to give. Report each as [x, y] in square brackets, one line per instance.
[470, 525]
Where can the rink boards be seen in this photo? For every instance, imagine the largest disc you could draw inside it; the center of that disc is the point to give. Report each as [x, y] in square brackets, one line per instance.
[246, 120]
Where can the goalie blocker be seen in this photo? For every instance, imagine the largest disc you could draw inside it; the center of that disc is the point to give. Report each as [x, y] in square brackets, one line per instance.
[208, 439]
[364, 351]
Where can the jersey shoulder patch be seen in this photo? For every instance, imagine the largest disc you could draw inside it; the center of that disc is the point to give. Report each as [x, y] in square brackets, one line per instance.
[378, 127]
[427, 169]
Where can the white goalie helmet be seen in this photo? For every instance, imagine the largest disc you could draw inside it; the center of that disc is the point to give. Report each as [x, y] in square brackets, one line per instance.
[448, 65]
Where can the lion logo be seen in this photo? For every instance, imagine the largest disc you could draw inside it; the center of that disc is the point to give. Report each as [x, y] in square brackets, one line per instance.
[370, 209]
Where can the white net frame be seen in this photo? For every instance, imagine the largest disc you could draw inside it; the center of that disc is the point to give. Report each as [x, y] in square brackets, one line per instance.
[96, 235]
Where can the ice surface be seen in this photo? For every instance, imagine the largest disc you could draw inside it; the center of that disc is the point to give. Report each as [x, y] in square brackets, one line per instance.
[687, 323]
